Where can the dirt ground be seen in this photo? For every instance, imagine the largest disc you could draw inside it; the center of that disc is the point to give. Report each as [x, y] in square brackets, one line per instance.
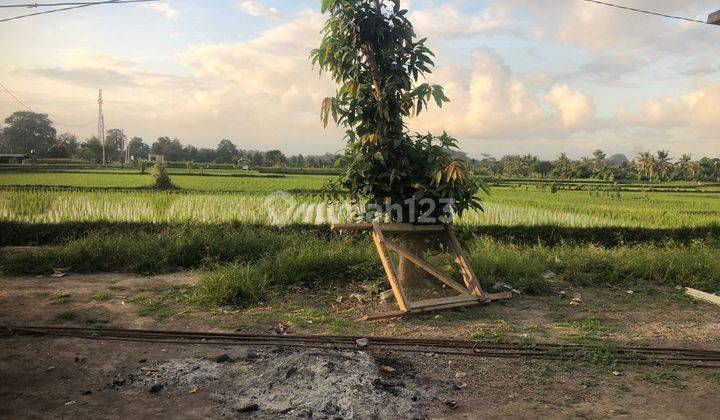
[64, 377]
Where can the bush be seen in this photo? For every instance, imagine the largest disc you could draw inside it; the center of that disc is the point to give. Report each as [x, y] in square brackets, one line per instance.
[162, 178]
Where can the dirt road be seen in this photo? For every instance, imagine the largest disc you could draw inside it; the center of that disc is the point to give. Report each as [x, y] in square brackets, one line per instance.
[63, 377]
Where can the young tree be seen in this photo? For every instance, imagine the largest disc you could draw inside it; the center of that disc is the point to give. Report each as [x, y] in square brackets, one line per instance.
[371, 51]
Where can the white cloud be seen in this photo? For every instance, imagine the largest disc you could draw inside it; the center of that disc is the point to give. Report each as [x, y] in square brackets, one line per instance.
[254, 8]
[449, 22]
[599, 28]
[697, 111]
[493, 102]
[165, 9]
[575, 107]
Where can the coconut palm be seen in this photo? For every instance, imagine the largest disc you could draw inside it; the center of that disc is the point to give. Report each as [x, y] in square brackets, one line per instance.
[664, 166]
[645, 165]
[682, 167]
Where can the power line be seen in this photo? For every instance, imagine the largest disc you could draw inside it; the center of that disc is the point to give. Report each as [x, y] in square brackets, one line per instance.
[15, 97]
[77, 6]
[31, 110]
[632, 9]
[35, 5]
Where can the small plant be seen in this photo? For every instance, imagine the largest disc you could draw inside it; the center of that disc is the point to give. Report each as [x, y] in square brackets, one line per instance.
[66, 315]
[162, 177]
[370, 49]
[60, 299]
[94, 322]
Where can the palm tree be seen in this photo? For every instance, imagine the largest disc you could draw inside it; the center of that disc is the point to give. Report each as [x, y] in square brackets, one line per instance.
[694, 170]
[599, 163]
[645, 165]
[663, 164]
[682, 167]
[563, 167]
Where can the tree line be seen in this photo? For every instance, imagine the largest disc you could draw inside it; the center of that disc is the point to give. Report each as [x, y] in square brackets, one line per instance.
[33, 134]
[27, 132]
[645, 166]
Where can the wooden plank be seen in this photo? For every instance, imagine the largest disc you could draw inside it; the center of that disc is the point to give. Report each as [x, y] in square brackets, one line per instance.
[706, 297]
[492, 297]
[487, 298]
[444, 301]
[395, 314]
[420, 262]
[351, 226]
[406, 227]
[379, 240]
[388, 227]
[383, 315]
[471, 280]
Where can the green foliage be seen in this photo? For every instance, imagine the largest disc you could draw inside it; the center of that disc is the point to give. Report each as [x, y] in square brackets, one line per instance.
[369, 48]
[283, 257]
[235, 284]
[162, 178]
[26, 132]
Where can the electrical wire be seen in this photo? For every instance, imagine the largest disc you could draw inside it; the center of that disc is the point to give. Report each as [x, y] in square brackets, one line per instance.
[12, 95]
[77, 6]
[35, 5]
[632, 9]
[15, 97]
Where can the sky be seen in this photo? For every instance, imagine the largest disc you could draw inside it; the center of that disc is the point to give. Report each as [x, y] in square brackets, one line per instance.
[524, 76]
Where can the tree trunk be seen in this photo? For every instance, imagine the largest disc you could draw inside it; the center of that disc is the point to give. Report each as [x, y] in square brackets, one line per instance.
[413, 279]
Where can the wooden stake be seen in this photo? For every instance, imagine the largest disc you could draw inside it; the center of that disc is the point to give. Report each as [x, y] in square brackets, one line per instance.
[389, 267]
[471, 280]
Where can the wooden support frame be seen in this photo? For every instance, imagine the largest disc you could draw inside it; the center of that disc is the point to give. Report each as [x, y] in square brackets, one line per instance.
[469, 294]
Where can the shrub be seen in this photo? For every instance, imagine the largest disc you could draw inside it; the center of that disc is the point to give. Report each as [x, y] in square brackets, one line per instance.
[162, 178]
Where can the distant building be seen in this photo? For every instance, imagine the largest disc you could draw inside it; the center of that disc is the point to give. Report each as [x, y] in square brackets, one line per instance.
[156, 158]
[12, 158]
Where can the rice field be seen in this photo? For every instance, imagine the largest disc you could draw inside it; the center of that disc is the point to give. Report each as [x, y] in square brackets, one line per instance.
[503, 208]
[186, 182]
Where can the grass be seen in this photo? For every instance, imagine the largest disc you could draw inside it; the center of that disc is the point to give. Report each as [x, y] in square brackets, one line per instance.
[60, 299]
[253, 242]
[246, 264]
[253, 200]
[663, 377]
[591, 327]
[95, 322]
[187, 182]
[162, 303]
[66, 315]
[101, 297]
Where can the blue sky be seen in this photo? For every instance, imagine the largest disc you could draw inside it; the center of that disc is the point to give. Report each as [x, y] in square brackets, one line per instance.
[525, 76]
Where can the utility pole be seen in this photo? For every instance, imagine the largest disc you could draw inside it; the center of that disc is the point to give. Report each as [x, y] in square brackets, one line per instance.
[101, 127]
